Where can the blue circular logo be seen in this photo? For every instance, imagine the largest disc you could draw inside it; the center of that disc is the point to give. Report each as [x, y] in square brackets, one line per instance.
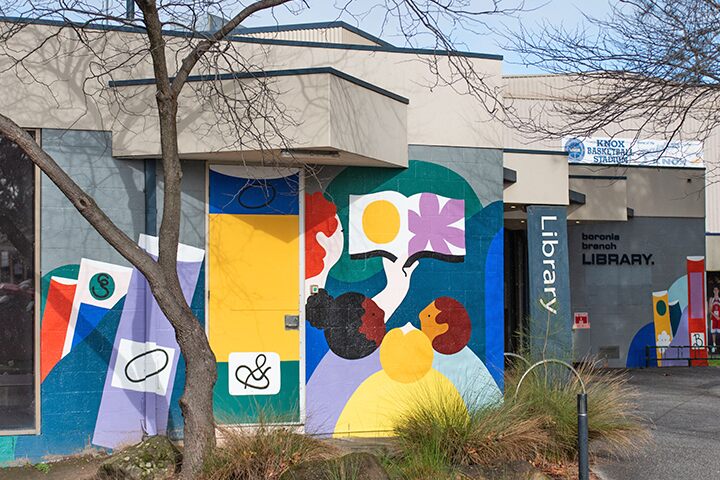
[575, 149]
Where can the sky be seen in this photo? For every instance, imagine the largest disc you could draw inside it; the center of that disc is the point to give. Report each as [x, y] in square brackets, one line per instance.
[476, 38]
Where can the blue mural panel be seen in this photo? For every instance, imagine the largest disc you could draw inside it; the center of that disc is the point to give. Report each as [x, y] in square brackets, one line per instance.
[254, 196]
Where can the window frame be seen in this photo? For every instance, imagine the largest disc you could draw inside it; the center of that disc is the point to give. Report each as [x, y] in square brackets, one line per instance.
[36, 133]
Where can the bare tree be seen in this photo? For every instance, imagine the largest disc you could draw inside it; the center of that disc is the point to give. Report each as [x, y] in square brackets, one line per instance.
[651, 66]
[248, 115]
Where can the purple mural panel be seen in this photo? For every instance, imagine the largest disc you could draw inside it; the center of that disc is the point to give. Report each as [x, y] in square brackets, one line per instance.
[141, 372]
[345, 376]
[680, 339]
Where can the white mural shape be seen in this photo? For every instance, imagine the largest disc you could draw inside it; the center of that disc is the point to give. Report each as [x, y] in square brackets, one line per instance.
[100, 286]
[394, 226]
[143, 366]
[254, 373]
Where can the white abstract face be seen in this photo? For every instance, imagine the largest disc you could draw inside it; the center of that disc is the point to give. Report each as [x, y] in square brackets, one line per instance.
[333, 245]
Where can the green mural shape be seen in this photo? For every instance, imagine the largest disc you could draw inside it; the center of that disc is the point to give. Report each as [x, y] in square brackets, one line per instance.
[419, 177]
[102, 286]
[282, 407]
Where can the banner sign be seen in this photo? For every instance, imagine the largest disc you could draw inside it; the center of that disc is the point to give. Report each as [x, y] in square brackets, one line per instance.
[625, 151]
[549, 279]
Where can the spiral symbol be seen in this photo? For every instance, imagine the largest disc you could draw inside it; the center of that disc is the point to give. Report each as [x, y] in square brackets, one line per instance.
[254, 378]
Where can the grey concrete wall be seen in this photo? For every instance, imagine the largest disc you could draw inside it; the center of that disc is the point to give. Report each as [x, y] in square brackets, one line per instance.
[118, 188]
[116, 185]
[618, 298]
[192, 215]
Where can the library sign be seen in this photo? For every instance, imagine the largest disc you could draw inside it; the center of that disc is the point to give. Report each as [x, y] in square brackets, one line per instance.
[625, 151]
[602, 249]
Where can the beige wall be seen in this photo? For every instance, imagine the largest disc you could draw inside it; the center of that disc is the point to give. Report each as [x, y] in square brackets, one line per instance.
[319, 111]
[438, 113]
[654, 192]
[327, 35]
[651, 192]
[712, 253]
[541, 179]
[605, 199]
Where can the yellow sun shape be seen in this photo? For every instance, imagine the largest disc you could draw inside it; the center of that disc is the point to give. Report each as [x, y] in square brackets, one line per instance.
[381, 221]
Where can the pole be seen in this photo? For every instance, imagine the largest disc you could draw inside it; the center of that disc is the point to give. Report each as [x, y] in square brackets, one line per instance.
[583, 465]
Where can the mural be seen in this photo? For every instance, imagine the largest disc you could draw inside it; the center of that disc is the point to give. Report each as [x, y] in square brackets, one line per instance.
[679, 327]
[402, 295]
[396, 271]
[109, 358]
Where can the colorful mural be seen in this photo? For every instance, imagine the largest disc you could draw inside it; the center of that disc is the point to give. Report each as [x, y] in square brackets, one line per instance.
[679, 328]
[402, 294]
[396, 271]
[109, 358]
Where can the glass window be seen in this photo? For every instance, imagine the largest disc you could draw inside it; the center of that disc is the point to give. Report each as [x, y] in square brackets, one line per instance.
[17, 289]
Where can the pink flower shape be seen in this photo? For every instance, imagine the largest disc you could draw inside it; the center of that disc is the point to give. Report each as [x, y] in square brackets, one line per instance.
[432, 226]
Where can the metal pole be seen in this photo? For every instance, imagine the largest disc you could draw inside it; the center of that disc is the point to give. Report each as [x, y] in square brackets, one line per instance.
[583, 464]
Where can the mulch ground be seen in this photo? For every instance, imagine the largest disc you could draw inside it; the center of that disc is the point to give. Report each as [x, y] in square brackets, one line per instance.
[72, 468]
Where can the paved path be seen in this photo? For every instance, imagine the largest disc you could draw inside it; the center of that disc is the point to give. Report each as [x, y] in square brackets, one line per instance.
[683, 408]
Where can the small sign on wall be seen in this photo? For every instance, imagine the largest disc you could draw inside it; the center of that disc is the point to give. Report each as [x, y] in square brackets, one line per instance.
[254, 373]
[582, 320]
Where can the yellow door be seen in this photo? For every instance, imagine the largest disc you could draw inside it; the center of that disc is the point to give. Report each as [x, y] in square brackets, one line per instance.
[254, 291]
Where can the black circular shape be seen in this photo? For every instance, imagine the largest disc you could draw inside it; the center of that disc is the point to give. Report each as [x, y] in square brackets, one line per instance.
[167, 360]
[265, 189]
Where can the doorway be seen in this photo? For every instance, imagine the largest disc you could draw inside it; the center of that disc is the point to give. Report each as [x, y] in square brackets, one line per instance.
[516, 290]
[254, 285]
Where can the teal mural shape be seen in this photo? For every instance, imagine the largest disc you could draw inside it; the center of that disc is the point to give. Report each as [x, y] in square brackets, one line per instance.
[7, 449]
[419, 177]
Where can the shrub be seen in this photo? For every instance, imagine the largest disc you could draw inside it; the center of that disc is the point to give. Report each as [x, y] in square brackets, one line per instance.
[551, 396]
[260, 453]
[437, 432]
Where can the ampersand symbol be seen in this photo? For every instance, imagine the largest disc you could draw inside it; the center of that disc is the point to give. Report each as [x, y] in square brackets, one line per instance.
[255, 378]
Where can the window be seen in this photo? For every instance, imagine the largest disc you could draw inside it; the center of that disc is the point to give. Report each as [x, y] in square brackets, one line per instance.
[17, 290]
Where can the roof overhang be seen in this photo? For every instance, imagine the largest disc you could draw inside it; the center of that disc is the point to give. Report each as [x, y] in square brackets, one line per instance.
[328, 117]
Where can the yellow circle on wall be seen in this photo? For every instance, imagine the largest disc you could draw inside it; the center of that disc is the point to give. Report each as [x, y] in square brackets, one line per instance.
[406, 357]
[381, 221]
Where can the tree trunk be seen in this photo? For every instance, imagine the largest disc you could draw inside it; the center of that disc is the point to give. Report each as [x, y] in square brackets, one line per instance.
[200, 376]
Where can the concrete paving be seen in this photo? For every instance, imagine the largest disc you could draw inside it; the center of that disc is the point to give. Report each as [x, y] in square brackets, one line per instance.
[682, 406]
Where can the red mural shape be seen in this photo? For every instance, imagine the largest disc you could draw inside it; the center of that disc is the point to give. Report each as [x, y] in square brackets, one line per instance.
[447, 324]
[373, 321]
[55, 322]
[319, 218]
[353, 324]
[697, 329]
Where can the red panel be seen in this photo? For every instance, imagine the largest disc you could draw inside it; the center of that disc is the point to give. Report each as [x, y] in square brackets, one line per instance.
[697, 332]
[55, 322]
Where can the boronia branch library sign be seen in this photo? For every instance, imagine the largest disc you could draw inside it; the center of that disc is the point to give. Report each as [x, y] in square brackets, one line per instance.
[625, 151]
